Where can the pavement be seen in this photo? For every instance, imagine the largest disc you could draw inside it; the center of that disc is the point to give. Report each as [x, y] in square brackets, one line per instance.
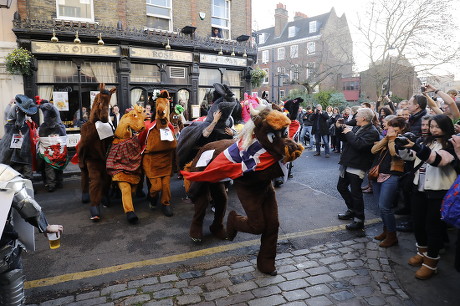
[350, 272]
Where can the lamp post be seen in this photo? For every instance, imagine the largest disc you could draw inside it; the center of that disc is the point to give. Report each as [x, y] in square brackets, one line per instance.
[390, 49]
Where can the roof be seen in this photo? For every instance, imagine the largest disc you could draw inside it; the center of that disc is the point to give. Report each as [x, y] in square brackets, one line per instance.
[302, 30]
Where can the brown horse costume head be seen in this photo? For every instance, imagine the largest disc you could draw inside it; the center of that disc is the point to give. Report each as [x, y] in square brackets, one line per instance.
[162, 109]
[100, 108]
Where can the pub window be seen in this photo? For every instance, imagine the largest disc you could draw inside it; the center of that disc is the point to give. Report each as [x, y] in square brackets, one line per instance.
[221, 17]
[80, 10]
[159, 14]
[232, 78]
[209, 77]
[145, 73]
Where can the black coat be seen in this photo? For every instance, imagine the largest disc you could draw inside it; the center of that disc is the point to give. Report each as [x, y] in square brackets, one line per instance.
[357, 146]
[415, 122]
[320, 121]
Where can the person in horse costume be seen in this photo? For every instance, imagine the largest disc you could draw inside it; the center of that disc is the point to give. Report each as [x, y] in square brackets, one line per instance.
[259, 155]
[17, 146]
[125, 157]
[157, 161]
[92, 152]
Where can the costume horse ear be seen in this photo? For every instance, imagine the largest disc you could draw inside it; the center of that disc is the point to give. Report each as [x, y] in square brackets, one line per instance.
[101, 87]
[113, 90]
[138, 108]
[228, 92]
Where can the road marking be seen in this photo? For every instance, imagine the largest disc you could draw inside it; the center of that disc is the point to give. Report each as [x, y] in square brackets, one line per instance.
[175, 258]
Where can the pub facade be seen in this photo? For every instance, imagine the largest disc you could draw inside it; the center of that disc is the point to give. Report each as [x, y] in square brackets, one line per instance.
[72, 56]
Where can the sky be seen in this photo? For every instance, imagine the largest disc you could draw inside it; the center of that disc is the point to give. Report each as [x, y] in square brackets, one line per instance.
[263, 12]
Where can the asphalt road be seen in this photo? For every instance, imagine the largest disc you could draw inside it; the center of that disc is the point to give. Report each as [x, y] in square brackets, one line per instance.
[110, 251]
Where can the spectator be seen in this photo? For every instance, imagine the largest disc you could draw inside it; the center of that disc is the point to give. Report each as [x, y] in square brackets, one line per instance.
[335, 141]
[391, 167]
[434, 177]
[450, 107]
[321, 130]
[7, 110]
[384, 111]
[116, 116]
[417, 108]
[307, 126]
[216, 33]
[402, 104]
[355, 160]
[80, 117]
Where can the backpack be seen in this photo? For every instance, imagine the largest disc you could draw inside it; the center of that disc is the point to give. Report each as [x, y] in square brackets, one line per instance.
[450, 207]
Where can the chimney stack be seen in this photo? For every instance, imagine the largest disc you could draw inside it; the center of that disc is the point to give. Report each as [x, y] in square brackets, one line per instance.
[281, 18]
[299, 15]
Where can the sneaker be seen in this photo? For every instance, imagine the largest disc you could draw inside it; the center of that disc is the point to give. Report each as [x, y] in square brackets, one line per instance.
[327, 156]
[316, 154]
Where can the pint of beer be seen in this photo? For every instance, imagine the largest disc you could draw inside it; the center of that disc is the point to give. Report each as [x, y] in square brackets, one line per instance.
[54, 240]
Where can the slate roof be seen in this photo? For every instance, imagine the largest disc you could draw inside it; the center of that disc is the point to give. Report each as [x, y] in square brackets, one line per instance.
[302, 30]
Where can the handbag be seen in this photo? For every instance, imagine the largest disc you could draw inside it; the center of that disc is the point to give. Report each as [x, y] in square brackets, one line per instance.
[374, 171]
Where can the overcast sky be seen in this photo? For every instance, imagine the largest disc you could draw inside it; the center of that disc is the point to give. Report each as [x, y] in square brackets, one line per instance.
[264, 11]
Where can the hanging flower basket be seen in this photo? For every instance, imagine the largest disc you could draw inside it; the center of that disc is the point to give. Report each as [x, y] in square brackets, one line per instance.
[257, 77]
[19, 61]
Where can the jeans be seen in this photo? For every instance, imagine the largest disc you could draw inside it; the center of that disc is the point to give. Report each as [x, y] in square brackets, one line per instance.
[305, 129]
[325, 139]
[354, 196]
[384, 194]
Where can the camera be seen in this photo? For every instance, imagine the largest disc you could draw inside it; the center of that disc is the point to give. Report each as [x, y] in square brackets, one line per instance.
[340, 121]
[423, 89]
[403, 139]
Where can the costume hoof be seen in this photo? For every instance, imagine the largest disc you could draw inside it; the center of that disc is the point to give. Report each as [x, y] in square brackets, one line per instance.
[218, 232]
[85, 198]
[152, 201]
[95, 213]
[167, 210]
[131, 217]
[273, 273]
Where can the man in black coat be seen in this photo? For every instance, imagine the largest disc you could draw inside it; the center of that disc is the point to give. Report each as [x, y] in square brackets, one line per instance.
[320, 130]
[417, 108]
[355, 160]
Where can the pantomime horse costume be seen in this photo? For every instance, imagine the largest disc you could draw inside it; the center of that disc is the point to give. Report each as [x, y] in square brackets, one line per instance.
[92, 153]
[160, 147]
[125, 157]
[252, 162]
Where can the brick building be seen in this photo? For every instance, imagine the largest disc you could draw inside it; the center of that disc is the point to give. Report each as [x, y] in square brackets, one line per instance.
[312, 51]
[138, 46]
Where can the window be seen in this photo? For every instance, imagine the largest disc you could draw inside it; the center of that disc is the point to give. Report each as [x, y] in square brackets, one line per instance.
[281, 94]
[267, 77]
[292, 31]
[262, 38]
[295, 75]
[265, 56]
[352, 85]
[312, 26]
[145, 73]
[159, 14]
[177, 72]
[281, 70]
[81, 10]
[311, 46]
[281, 52]
[221, 16]
[294, 51]
[310, 70]
[232, 78]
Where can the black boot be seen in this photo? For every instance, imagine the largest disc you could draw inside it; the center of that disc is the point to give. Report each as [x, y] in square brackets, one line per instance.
[348, 215]
[131, 217]
[167, 210]
[355, 225]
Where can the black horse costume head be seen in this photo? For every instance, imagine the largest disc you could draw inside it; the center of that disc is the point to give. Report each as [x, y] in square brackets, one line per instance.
[224, 102]
[292, 106]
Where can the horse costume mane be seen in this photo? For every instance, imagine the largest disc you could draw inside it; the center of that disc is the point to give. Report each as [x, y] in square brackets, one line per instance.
[100, 108]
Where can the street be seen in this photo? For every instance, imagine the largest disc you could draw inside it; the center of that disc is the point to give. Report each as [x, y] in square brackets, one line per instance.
[95, 255]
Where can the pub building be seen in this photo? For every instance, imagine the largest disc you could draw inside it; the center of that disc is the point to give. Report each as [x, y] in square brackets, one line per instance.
[74, 57]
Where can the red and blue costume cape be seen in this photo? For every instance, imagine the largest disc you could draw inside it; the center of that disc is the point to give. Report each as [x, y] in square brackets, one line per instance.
[233, 163]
